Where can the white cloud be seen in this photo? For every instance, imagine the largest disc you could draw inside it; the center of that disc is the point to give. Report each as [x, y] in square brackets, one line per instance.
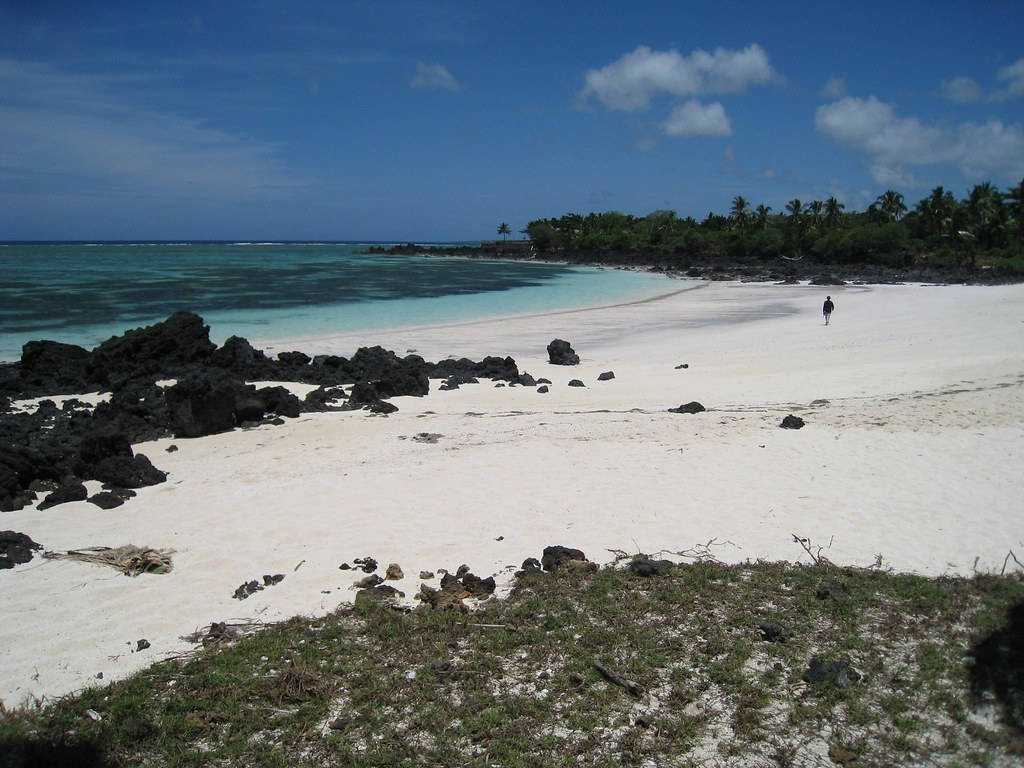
[434, 77]
[61, 126]
[961, 89]
[1014, 75]
[696, 119]
[834, 88]
[629, 83]
[892, 143]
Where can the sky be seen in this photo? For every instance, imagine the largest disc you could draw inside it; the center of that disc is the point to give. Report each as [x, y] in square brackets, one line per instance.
[437, 121]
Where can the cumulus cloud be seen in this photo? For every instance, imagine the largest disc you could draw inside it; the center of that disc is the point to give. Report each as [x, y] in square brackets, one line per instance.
[961, 89]
[834, 88]
[696, 119]
[434, 77]
[629, 83]
[892, 143]
[1014, 77]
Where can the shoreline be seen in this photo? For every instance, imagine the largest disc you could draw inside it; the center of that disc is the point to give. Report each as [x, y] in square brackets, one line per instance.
[913, 456]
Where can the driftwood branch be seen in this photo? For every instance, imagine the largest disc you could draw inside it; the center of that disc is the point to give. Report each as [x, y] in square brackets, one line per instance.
[815, 553]
[1007, 559]
[612, 677]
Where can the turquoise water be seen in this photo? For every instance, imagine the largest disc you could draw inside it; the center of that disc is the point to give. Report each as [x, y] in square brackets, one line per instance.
[84, 293]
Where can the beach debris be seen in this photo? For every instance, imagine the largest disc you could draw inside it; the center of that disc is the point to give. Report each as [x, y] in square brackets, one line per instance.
[576, 383]
[691, 407]
[427, 437]
[792, 422]
[560, 352]
[271, 580]
[92, 714]
[682, 366]
[16, 548]
[613, 677]
[141, 644]
[426, 574]
[368, 564]
[557, 556]
[774, 632]
[543, 388]
[606, 376]
[300, 564]
[72, 490]
[394, 572]
[645, 566]
[838, 673]
[129, 559]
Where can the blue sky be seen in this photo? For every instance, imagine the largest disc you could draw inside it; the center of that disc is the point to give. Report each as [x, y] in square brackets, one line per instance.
[435, 121]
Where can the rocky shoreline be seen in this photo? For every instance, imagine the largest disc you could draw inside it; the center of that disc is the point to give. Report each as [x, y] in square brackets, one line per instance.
[711, 267]
[169, 379]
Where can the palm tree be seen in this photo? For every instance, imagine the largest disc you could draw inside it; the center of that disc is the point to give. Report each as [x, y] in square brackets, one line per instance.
[891, 204]
[1014, 199]
[740, 211]
[833, 213]
[503, 230]
[795, 208]
[814, 209]
[761, 213]
[985, 213]
[936, 212]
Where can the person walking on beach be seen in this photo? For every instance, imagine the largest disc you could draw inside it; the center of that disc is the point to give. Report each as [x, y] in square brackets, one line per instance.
[827, 308]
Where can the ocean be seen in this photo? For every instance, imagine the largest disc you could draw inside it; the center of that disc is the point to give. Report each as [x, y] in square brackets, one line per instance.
[84, 293]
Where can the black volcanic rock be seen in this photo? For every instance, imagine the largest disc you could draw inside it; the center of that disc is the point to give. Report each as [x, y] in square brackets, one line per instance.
[691, 407]
[164, 349]
[52, 368]
[73, 490]
[560, 352]
[15, 549]
[556, 556]
[204, 404]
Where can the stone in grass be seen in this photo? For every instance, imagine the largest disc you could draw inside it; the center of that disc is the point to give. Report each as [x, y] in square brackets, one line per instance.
[645, 566]
[831, 590]
[774, 632]
[606, 376]
[557, 556]
[792, 422]
[576, 383]
[692, 407]
[838, 673]
[380, 594]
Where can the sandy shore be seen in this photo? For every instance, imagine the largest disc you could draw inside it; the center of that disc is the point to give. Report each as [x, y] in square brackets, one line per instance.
[915, 456]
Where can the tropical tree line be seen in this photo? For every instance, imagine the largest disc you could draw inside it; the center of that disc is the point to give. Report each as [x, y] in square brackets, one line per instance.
[987, 224]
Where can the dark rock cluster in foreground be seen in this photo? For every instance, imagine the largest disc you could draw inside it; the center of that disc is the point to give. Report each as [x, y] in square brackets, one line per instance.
[52, 450]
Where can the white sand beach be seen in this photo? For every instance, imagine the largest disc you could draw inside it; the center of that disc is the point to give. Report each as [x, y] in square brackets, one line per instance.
[915, 457]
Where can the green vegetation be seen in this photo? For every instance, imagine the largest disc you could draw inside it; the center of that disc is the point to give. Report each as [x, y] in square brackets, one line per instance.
[984, 230]
[515, 683]
[504, 230]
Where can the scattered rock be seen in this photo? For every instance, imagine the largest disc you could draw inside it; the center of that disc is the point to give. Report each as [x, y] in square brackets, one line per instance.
[393, 572]
[72, 490]
[606, 376]
[138, 729]
[792, 422]
[381, 594]
[560, 352]
[530, 565]
[367, 564]
[426, 574]
[142, 644]
[544, 381]
[344, 567]
[171, 448]
[526, 380]
[691, 407]
[106, 500]
[15, 549]
[247, 589]
[576, 383]
[542, 389]
[427, 437]
[269, 581]
[557, 556]
[368, 582]
[645, 566]
[682, 366]
[839, 673]
[774, 632]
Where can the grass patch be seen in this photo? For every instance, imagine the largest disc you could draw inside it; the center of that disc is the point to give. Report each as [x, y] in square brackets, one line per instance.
[514, 683]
